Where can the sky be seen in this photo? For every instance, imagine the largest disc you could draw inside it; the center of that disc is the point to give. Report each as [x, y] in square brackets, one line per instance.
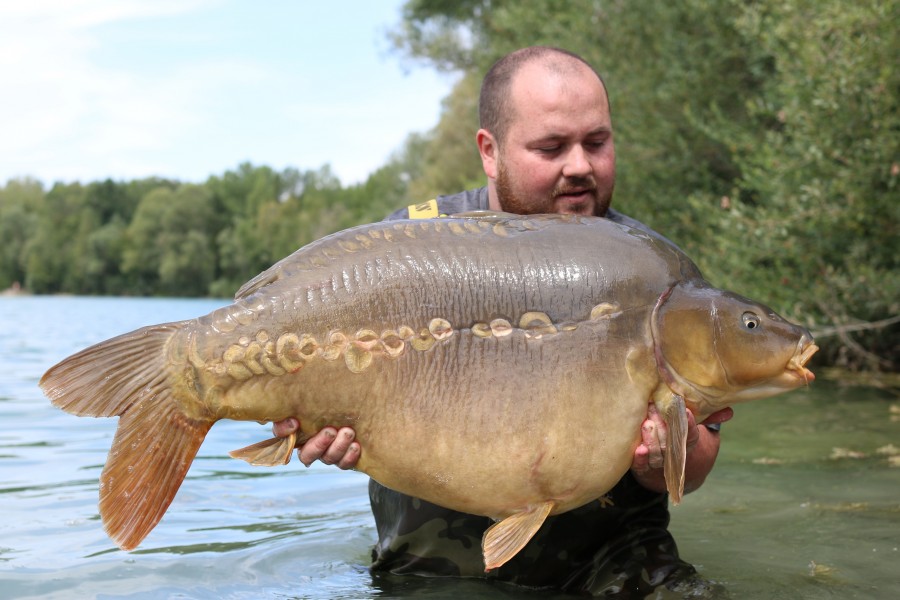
[185, 89]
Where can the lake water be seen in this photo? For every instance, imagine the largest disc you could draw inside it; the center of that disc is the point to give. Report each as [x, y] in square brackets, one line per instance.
[804, 501]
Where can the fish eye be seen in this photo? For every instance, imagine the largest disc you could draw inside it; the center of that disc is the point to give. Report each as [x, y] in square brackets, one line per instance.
[751, 320]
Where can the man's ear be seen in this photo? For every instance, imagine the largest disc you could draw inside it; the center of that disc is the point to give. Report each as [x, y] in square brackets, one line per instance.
[487, 147]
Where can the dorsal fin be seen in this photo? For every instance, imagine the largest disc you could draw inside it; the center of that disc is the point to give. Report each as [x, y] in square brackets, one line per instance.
[484, 215]
[268, 276]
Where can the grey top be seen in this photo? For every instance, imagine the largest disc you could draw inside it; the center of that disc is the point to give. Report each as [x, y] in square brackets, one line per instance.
[477, 199]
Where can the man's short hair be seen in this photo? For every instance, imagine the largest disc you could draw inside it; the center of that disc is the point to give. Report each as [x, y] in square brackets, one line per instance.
[495, 112]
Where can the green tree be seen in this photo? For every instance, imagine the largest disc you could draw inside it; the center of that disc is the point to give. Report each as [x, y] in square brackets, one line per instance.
[298, 207]
[449, 158]
[50, 256]
[103, 258]
[817, 192]
[238, 197]
[142, 254]
[169, 248]
[19, 200]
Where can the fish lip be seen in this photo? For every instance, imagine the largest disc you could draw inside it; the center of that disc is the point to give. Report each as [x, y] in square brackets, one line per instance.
[806, 347]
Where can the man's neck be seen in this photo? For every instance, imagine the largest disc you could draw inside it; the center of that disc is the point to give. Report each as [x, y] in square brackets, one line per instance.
[493, 201]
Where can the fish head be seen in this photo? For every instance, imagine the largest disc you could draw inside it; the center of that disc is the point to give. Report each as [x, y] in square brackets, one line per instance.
[716, 348]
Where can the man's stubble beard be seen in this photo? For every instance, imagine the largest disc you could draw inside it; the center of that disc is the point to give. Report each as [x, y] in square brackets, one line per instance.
[509, 201]
[512, 203]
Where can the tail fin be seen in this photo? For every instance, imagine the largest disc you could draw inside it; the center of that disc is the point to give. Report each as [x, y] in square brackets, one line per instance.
[155, 443]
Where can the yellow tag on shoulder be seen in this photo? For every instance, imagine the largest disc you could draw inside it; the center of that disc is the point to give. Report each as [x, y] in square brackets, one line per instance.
[424, 210]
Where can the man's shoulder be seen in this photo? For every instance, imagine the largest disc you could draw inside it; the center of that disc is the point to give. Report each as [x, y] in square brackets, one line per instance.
[469, 200]
[616, 216]
[477, 199]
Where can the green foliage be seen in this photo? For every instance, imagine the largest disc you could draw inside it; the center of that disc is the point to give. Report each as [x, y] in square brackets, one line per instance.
[18, 222]
[450, 159]
[169, 246]
[817, 191]
[155, 236]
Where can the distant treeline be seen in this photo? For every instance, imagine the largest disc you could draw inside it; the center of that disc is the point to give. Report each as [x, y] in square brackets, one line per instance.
[159, 237]
[763, 137]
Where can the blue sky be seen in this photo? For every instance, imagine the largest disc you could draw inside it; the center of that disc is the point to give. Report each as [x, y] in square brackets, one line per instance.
[185, 89]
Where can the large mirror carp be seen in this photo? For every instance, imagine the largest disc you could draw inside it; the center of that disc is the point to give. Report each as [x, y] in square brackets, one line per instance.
[494, 364]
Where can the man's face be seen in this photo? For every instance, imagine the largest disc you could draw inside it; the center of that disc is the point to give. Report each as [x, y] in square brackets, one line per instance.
[558, 154]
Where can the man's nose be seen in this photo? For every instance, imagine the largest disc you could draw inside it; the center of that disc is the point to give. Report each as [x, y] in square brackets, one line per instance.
[577, 162]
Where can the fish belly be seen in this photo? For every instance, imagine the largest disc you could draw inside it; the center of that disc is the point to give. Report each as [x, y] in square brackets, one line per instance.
[486, 424]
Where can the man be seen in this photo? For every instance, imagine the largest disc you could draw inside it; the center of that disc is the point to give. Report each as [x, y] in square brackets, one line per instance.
[546, 145]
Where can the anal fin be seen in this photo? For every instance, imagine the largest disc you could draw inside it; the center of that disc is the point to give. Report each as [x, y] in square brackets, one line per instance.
[506, 538]
[269, 453]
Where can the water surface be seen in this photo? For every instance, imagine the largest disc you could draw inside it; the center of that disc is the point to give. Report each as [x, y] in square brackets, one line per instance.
[801, 504]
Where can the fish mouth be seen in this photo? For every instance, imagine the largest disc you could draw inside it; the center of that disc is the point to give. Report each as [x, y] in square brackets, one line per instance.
[797, 365]
[795, 375]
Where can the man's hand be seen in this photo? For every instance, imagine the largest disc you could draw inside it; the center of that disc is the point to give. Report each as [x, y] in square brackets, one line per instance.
[702, 449]
[331, 446]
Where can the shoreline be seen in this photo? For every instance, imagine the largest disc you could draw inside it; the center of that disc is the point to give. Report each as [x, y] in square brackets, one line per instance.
[15, 290]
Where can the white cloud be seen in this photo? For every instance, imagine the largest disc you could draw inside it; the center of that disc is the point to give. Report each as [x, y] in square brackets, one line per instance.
[124, 89]
[79, 14]
[59, 100]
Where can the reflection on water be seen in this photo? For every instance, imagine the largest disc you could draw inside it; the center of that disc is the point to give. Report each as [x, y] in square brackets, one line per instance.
[803, 502]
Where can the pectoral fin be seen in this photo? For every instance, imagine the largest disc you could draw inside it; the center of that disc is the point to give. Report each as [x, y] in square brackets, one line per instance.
[504, 539]
[675, 415]
[269, 453]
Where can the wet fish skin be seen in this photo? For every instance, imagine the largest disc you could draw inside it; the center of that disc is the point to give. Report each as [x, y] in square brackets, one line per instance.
[498, 365]
[439, 393]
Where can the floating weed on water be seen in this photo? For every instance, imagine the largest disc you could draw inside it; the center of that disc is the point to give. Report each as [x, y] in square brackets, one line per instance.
[765, 460]
[729, 510]
[892, 453]
[819, 570]
[841, 453]
[843, 507]
[42, 444]
[894, 411]
[110, 550]
[889, 450]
